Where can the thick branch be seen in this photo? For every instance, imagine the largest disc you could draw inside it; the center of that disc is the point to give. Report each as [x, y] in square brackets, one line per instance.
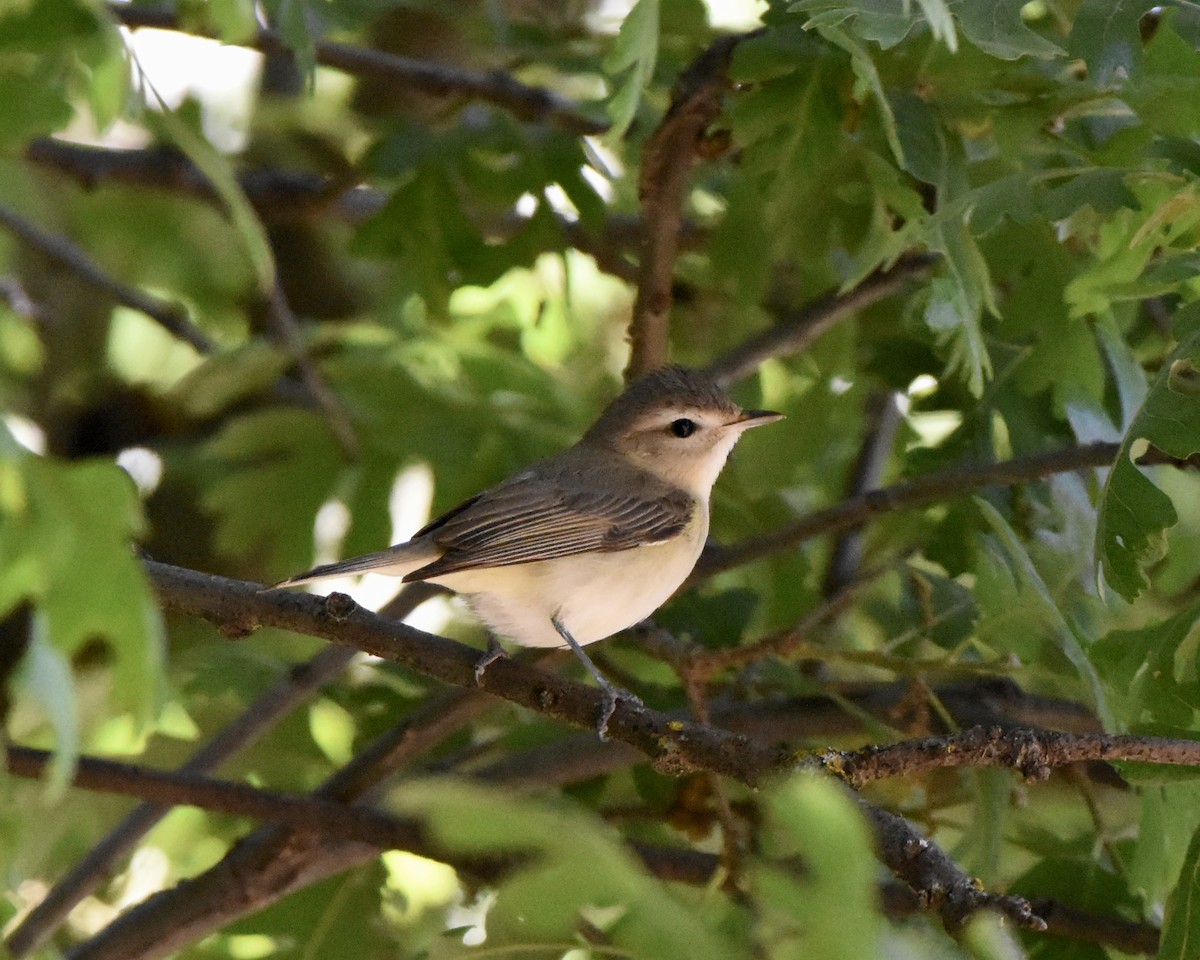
[1033, 753]
[239, 606]
[667, 163]
[940, 884]
[535, 104]
[931, 488]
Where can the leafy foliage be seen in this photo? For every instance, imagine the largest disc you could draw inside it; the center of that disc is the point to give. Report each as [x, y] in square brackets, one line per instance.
[459, 262]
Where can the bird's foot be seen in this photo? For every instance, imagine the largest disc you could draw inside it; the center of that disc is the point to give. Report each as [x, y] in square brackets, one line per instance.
[608, 706]
[612, 693]
[493, 653]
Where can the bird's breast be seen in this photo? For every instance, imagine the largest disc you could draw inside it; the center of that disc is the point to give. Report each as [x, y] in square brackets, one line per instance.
[594, 595]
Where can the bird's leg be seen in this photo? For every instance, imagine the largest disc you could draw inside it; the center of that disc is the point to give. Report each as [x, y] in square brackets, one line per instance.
[493, 653]
[612, 693]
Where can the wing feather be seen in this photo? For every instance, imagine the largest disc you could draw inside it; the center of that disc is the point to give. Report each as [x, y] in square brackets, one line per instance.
[535, 517]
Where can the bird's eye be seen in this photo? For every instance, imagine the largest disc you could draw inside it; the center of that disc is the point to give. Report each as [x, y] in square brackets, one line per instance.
[683, 427]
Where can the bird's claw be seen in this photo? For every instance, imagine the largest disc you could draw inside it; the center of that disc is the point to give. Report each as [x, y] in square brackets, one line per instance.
[493, 653]
[608, 706]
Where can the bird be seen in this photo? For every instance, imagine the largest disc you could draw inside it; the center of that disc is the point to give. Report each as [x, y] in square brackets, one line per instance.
[591, 540]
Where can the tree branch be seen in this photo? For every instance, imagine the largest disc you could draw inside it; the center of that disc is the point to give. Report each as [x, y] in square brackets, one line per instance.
[940, 884]
[274, 861]
[237, 606]
[667, 161]
[170, 316]
[382, 831]
[173, 788]
[1033, 753]
[801, 328]
[261, 715]
[294, 193]
[533, 104]
[285, 324]
[946, 484]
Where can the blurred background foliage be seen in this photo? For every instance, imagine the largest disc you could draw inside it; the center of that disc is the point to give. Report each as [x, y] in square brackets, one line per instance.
[396, 297]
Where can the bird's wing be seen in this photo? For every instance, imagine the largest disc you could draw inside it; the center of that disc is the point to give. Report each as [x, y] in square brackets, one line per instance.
[535, 518]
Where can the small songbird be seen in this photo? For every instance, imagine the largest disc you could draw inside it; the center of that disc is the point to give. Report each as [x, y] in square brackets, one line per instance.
[589, 541]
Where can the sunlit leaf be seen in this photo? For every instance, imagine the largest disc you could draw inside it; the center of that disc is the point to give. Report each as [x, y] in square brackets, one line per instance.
[634, 54]
[1133, 512]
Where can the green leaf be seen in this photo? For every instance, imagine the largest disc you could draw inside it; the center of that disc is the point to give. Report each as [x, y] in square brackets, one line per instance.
[868, 83]
[886, 23]
[45, 677]
[230, 376]
[804, 915]
[1035, 594]
[1138, 668]
[1170, 814]
[1104, 190]
[293, 20]
[570, 864]
[955, 305]
[1134, 514]
[234, 20]
[997, 27]
[276, 469]
[219, 172]
[1181, 925]
[634, 52]
[57, 519]
[1105, 35]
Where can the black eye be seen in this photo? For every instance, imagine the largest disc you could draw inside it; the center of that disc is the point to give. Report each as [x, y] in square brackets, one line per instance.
[683, 427]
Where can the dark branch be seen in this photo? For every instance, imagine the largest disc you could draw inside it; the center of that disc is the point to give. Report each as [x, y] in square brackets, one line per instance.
[239, 606]
[534, 104]
[172, 788]
[932, 488]
[291, 193]
[274, 861]
[285, 324]
[170, 316]
[940, 884]
[1033, 753]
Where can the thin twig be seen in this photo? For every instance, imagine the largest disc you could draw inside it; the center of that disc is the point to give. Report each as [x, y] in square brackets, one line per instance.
[284, 322]
[668, 158]
[1127, 936]
[883, 422]
[170, 316]
[944, 485]
[1033, 753]
[798, 330]
[165, 787]
[534, 104]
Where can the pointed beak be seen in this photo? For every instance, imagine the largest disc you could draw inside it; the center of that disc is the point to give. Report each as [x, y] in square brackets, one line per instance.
[755, 418]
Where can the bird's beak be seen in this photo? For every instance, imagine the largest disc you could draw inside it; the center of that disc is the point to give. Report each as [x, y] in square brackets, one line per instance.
[755, 418]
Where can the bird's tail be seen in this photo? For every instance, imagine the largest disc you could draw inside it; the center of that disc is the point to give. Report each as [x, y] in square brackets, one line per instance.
[395, 561]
